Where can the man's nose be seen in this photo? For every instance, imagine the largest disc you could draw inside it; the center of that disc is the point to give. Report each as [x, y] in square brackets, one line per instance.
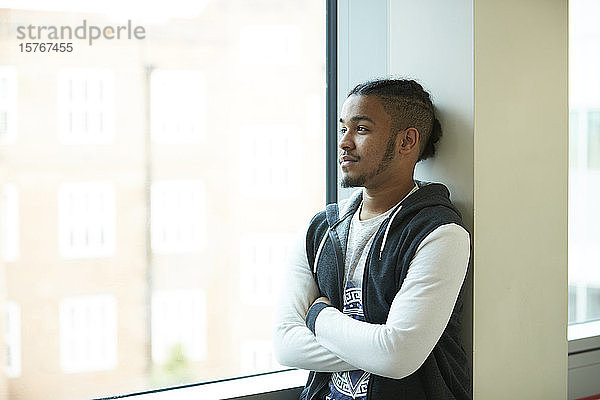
[346, 142]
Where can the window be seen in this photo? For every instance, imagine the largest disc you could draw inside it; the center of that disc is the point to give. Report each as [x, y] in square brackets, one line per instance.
[85, 106]
[88, 333]
[86, 219]
[10, 222]
[177, 216]
[12, 339]
[593, 134]
[261, 258]
[141, 167]
[8, 104]
[267, 166]
[269, 45]
[584, 170]
[178, 326]
[178, 106]
[257, 356]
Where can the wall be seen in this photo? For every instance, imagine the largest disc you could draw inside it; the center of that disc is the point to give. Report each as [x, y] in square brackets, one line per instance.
[520, 199]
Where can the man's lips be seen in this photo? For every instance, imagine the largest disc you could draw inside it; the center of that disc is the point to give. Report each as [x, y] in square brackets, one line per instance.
[347, 160]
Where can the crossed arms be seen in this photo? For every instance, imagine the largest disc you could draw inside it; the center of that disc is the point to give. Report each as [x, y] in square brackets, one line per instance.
[418, 314]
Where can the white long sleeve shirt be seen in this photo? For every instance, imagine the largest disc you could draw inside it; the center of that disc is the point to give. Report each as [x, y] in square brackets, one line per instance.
[418, 315]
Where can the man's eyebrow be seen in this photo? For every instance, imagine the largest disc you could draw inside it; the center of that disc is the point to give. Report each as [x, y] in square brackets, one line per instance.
[357, 118]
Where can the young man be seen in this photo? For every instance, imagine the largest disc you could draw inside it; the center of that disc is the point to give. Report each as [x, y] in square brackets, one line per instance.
[372, 303]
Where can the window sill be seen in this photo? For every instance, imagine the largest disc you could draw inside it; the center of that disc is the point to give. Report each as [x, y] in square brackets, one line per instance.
[583, 337]
[228, 389]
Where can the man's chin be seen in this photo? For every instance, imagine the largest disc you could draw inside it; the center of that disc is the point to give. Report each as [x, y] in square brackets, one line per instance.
[350, 182]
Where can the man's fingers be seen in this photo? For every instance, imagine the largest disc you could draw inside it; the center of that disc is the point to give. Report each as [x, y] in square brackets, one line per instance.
[322, 299]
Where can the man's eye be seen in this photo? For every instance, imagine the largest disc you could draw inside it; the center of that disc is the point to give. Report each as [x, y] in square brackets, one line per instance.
[361, 129]
[343, 131]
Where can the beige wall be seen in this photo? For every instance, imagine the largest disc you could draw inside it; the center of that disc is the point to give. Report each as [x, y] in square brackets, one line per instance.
[521, 150]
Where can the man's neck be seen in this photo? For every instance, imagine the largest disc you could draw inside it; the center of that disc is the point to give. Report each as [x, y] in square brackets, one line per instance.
[376, 201]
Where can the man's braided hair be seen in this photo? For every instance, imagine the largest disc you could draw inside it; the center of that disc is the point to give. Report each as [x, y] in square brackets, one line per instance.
[409, 106]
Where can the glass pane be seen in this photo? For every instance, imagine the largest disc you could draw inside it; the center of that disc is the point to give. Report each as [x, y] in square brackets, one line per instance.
[151, 180]
[584, 165]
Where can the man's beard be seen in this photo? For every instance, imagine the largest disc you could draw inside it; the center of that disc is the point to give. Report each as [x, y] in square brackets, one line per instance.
[349, 182]
[386, 160]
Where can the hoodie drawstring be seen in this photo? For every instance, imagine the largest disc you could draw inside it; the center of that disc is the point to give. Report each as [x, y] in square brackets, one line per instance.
[319, 250]
[387, 230]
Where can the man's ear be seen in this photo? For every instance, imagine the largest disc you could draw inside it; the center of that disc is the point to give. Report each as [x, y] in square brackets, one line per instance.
[408, 140]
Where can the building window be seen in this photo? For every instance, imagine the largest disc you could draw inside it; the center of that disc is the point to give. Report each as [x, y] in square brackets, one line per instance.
[593, 135]
[178, 106]
[86, 219]
[86, 104]
[8, 104]
[88, 333]
[178, 325]
[12, 339]
[9, 206]
[270, 45]
[261, 258]
[584, 303]
[177, 209]
[257, 356]
[267, 160]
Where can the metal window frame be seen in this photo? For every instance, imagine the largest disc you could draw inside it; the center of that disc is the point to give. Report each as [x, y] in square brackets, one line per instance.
[331, 65]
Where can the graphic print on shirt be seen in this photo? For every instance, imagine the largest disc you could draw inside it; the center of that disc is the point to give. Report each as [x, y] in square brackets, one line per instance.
[350, 384]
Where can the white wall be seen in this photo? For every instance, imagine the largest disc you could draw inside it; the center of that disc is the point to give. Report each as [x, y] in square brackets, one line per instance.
[362, 49]
[432, 42]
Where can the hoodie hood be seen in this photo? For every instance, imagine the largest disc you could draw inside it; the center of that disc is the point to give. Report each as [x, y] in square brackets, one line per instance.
[428, 194]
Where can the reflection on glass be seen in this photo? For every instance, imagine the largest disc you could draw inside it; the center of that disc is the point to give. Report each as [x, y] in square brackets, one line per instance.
[149, 190]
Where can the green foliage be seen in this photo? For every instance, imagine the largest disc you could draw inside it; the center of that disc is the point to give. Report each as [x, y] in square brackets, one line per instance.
[175, 371]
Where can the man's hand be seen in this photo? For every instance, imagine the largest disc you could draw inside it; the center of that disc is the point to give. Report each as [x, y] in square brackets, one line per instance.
[321, 299]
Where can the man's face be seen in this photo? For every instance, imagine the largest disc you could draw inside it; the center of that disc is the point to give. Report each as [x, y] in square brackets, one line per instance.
[366, 146]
